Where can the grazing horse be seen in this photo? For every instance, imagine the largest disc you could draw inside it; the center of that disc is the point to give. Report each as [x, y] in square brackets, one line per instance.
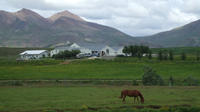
[132, 93]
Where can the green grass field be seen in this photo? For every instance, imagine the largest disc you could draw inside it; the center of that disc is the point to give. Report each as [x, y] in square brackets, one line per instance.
[55, 96]
[179, 50]
[96, 69]
[75, 98]
[120, 68]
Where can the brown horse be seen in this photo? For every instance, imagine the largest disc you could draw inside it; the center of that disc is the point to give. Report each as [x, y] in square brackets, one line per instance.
[132, 93]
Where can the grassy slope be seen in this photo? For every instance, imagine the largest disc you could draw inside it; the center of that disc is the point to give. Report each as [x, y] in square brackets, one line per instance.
[48, 98]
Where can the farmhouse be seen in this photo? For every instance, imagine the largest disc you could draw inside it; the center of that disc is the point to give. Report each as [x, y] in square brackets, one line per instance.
[118, 51]
[73, 46]
[93, 49]
[33, 54]
[101, 50]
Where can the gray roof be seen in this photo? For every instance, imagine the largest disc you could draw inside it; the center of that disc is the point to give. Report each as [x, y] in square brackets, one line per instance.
[117, 48]
[32, 52]
[93, 47]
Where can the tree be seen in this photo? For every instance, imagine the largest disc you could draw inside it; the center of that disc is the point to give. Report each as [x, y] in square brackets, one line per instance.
[139, 55]
[171, 81]
[75, 52]
[183, 56]
[190, 81]
[150, 54]
[165, 55]
[66, 54]
[171, 55]
[160, 55]
[150, 77]
[126, 50]
[135, 51]
[198, 56]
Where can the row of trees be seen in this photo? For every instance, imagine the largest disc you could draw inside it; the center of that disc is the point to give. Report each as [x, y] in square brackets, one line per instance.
[168, 55]
[165, 55]
[135, 50]
[66, 54]
[139, 51]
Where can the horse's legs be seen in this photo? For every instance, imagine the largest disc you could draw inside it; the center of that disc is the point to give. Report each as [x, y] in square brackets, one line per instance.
[138, 100]
[124, 98]
[134, 99]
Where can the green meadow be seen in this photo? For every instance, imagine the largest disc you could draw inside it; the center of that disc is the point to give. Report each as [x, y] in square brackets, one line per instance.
[120, 68]
[57, 96]
[52, 99]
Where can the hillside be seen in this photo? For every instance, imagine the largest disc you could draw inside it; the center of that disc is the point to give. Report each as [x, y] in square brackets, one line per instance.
[26, 28]
[187, 35]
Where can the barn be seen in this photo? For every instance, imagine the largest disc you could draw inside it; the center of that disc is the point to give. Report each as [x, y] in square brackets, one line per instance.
[33, 54]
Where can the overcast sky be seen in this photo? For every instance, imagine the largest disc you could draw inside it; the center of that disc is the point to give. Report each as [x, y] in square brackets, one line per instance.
[134, 17]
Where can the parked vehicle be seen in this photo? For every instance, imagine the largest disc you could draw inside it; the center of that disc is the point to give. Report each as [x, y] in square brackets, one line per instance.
[82, 55]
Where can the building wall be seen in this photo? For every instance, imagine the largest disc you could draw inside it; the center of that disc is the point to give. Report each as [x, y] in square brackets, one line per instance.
[111, 51]
[34, 56]
[107, 51]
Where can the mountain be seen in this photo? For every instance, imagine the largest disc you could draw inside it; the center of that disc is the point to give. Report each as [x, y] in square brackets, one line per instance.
[65, 14]
[26, 28]
[187, 35]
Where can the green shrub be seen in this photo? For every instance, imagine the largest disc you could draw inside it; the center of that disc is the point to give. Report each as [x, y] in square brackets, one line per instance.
[150, 77]
[66, 54]
[135, 83]
[183, 56]
[190, 81]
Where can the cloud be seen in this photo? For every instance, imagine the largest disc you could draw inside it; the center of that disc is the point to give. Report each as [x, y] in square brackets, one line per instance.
[192, 6]
[135, 17]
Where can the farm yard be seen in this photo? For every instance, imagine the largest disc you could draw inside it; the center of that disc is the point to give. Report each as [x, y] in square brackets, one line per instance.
[26, 90]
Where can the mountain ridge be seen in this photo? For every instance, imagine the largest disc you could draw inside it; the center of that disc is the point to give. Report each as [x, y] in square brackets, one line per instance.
[65, 14]
[185, 36]
[26, 28]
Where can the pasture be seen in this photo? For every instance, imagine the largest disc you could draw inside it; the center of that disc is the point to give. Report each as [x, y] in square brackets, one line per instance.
[94, 95]
[122, 68]
[53, 98]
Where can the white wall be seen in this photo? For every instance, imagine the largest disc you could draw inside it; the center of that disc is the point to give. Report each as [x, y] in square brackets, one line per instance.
[34, 56]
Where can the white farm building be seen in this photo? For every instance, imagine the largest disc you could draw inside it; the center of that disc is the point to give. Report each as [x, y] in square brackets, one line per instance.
[93, 49]
[33, 54]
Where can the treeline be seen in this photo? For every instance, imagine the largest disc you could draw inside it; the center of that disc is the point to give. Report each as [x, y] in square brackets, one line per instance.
[169, 55]
[141, 51]
[66, 54]
[136, 51]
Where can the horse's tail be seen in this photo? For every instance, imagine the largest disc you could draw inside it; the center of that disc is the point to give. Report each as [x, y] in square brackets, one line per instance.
[141, 97]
